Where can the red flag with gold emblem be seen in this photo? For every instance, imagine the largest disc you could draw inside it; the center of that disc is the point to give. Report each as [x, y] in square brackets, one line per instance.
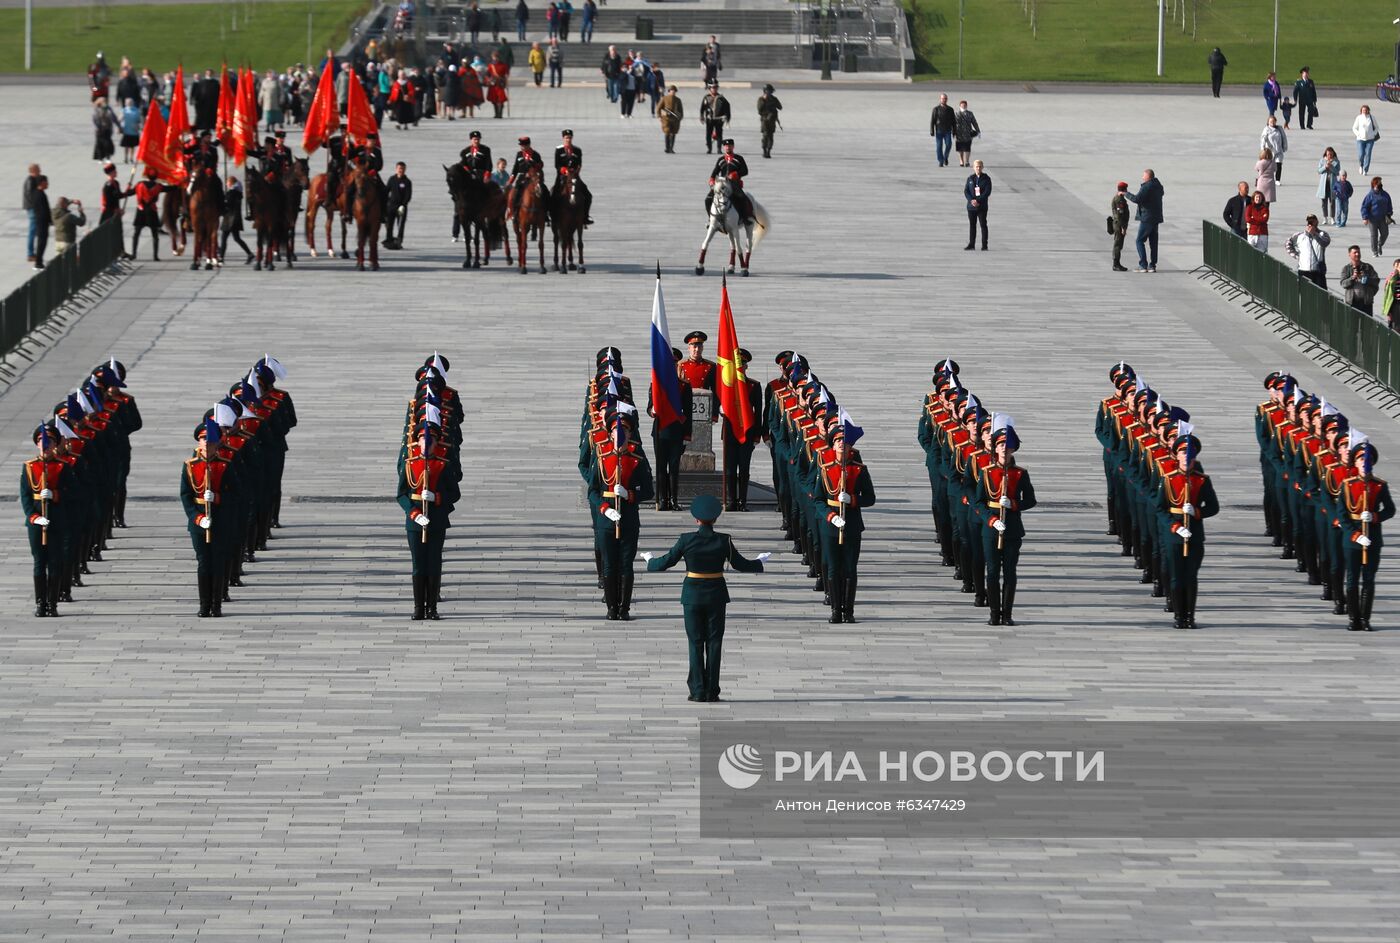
[151, 149]
[223, 120]
[324, 116]
[734, 403]
[176, 127]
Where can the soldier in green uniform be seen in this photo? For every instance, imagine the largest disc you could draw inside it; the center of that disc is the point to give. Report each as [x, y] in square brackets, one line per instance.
[669, 445]
[428, 492]
[1118, 220]
[1185, 499]
[768, 121]
[42, 488]
[1006, 492]
[704, 594]
[1366, 505]
[838, 488]
[207, 492]
[621, 481]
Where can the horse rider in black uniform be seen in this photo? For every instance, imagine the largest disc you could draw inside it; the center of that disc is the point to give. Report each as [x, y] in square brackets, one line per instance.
[202, 156]
[525, 158]
[371, 157]
[733, 168]
[568, 158]
[476, 157]
[714, 114]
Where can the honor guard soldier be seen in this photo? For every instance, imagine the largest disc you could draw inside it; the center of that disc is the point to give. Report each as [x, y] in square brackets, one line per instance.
[840, 488]
[1006, 492]
[42, 489]
[1186, 498]
[768, 120]
[698, 370]
[1367, 505]
[568, 159]
[476, 157]
[772, 396]
[668, 444]
[525, 159]
[714, 115]
[428, 492]
[704, 594]
[268, 371]
[207, 492]
[621, 481]
[738, 456]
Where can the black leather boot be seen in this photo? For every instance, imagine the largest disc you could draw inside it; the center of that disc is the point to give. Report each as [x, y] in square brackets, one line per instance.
[218, 595]
[41, 596]
[1339, 595]
[624, 611]
[1353, 610]
[1189, 601]
[837, 597]
[611, 594]
[430, 597]
[419, 594]
[849, 610]
[1008, 599]
[598, 565]
[994, 599]
[206, 592]
[1368, 596]
[1178, 608]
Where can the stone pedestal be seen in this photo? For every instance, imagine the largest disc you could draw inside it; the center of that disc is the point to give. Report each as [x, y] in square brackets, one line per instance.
[699, 453]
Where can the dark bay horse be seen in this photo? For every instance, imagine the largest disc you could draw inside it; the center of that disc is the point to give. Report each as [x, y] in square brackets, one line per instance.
[479, 206]
[368, 211]
[567, 217]
[205, 210]
[295, 179]
[530, 215]
[268, 200]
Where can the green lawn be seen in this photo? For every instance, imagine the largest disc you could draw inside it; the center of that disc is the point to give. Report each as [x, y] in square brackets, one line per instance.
[1345, 43]
[268, 35]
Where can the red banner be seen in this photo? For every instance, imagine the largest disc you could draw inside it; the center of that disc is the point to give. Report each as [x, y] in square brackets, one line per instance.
[151, 150]
[245, 121]
[177, 127]
[359, 117]
[223, 121]
[324, 116]
[734, 403]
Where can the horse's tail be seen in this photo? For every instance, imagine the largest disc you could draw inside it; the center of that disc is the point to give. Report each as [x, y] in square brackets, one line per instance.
[495, 230]
[761, 222]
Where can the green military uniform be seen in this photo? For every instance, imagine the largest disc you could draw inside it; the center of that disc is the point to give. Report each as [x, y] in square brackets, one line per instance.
[1184, 500]
[704, 594]
[429, 480]
[768, 122]
[621, 480]
[668, 442]
[209, 492]
[43, 487]
[1118, 215]
[1005, 492]
[838, 487]
[1367, 505]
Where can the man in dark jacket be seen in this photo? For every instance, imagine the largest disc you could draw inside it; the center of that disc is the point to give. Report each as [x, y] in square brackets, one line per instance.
[612, 74]
[400, 194]
[941, 129]
[1149, 215]
[1217, 63]
[1305, 98]
[43, 219]
[977, 191]
[31, 187]
[1234, 210]
[205, 98]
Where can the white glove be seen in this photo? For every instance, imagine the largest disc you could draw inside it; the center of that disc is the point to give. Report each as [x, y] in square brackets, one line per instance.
[838, 522]
[844, 498]
[46, 494]
[1366, 517]
[763, 557]
[621, 492]
[426, 495]
[1183, 533]
[204, 522]
[1364, 541]
[1004, 501]
[647, 555]
[999, 526]
[41, 521]
[208, 497]
[613, 514]
[421, 520]
[1188, 509]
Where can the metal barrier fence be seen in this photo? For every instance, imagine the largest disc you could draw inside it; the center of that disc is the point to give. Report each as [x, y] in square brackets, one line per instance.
[32, 304]
[1336, 332]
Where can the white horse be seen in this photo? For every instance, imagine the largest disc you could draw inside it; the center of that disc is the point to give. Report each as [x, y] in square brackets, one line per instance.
[743, 237]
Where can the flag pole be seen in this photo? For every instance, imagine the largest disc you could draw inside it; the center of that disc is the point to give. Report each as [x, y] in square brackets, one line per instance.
[1365, 500]
[724, 439]
[1005, 486]
[208, 507]
[44, 502]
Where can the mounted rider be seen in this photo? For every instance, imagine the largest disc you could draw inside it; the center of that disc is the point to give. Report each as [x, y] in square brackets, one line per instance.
[525, 158]
[476, 157]
[568, 160]
[202, 157]
[335, 167]
[370, 157]
[734, 168]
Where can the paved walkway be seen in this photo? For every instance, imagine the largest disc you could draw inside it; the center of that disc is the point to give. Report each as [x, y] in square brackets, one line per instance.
[315, 766]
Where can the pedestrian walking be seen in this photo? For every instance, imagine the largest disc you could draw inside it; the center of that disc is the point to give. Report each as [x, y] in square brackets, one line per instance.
[941, 125]
[1234, 210]
[1309, 248]
[1272, 93]
[104, 124]
[1328, 167]
[1150, 216]
[1118, 224]
[131, 130]
[1217, 62]
[1256, 220]
[1305, 95]
[1264, 180]
[629, 89]
[270, 100]
[590, 19]
[1276, 140]
[611, 69]
[31, 183]
[555, 59]
[522, 19]
[1376, 212]
[231, 223]
[565, 13]
[671, 112]
[978, 192]
[551, 19]
[495, 24]
[1286, 108]
[400, 195]
[1390, 307]
[42, 219]
[474, 24]
[1342, 191]
[536, 62]
[1359, 282]
[1367, 133]
[965, 128]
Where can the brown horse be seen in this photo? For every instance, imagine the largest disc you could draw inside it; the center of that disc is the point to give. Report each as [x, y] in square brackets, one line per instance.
[319, 197]
[267, 198]
[368, 210]
[294, 181]
[530, 215]
[172, 213]
[204, 213]
[567, 217]
[480, 209]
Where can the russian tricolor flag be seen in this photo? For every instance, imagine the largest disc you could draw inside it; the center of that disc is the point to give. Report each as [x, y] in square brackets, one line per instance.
[665, 382]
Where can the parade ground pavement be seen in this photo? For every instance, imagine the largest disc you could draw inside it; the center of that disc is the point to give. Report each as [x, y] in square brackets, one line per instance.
[315, 766]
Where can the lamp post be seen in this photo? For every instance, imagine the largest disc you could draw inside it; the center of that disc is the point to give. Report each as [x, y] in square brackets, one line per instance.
[962, 14]
[28, 35]
[824, 12]
[1161, 34]
[1275, 68]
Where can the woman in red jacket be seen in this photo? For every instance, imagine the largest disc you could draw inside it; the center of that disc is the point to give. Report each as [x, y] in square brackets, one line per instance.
[1256, 221]
[498, 78]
